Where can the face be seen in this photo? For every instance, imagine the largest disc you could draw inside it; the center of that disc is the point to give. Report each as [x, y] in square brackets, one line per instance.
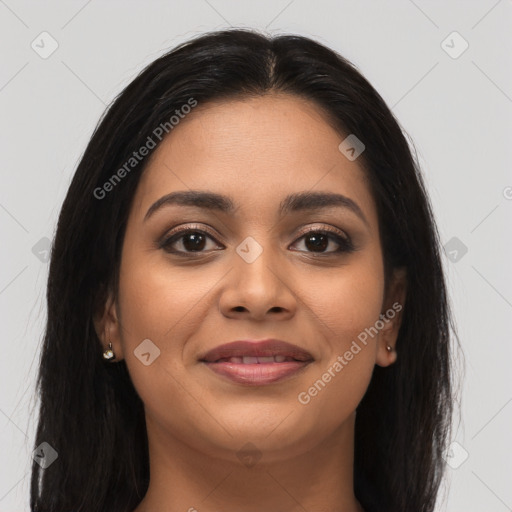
[194, 277]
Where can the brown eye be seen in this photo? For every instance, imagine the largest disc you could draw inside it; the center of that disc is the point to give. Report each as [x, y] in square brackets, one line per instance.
[317, 241]
[187, 241]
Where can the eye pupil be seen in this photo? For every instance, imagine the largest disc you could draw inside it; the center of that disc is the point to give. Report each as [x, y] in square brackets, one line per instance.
[320, 241]
[197, 239]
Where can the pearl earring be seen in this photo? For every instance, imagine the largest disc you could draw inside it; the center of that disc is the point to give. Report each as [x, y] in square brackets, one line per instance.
[109, 353]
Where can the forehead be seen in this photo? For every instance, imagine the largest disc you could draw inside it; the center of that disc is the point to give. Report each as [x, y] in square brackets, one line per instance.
[256, 150]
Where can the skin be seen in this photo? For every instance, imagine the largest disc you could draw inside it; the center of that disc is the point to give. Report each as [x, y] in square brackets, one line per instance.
[256, 151]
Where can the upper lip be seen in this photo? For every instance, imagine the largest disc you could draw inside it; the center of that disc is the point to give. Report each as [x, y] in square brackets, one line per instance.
[262, 348]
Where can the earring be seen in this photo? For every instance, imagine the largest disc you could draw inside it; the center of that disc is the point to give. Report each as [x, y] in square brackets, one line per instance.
[109, 353]
[389, 349]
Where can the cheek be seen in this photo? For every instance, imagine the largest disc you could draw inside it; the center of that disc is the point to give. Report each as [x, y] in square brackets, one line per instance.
[345, 317]
[155, 304]
[154, 299]
[348, 301]
[164, 304]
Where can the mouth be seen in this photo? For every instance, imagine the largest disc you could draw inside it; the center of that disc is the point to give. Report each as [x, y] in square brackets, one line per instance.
[256, 359]
[257, 363]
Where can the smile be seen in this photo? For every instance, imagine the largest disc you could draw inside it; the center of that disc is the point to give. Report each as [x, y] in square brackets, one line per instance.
[256, 359]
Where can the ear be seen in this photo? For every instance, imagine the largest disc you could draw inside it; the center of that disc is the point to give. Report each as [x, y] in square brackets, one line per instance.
[107, 326]
[391, 317]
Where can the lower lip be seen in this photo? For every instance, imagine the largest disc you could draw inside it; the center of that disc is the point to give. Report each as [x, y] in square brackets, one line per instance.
[258, 374]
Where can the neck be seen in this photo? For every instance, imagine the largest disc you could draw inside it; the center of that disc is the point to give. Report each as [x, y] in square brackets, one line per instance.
[185, 479]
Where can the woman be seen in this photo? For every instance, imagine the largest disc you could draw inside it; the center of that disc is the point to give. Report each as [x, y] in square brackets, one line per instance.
[246, 302]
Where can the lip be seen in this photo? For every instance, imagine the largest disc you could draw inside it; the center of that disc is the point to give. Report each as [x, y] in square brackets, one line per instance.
[256, 373]
[253, 348]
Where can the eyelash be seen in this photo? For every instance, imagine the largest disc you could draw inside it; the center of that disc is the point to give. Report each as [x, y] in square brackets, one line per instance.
[345, 243]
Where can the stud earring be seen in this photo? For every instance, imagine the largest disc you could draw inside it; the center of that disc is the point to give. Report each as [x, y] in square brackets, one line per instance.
[109, 353]
[389, 349]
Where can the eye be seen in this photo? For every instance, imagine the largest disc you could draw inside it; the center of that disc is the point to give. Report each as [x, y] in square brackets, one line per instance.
[188, 240]
[317, 240]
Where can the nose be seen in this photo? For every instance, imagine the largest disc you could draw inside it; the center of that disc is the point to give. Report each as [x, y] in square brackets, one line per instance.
[258, 290]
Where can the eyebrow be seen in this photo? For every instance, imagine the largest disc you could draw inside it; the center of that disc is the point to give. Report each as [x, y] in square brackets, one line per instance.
[292, 203]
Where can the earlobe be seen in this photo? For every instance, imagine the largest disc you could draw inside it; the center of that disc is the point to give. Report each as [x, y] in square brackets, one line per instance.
[392, 318]
[106, 325]
[386, 351]
[108, 353]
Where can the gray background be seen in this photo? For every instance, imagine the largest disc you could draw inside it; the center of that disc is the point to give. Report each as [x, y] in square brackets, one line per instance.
[456, 108]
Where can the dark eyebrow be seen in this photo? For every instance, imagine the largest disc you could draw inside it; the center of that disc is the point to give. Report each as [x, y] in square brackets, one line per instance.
[319, 200]
[197, 198]
[292, 203]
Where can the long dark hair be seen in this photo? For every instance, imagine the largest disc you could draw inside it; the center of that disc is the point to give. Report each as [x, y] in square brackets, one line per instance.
[90, 412]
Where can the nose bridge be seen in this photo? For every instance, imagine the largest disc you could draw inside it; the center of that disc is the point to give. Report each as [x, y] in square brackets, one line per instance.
[256, 263]
[258, 284]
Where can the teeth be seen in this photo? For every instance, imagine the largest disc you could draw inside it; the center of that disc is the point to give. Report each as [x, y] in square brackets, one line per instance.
[256, 359]
[267, 359]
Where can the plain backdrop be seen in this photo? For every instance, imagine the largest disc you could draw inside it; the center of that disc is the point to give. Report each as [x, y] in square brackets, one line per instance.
[445, 69]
